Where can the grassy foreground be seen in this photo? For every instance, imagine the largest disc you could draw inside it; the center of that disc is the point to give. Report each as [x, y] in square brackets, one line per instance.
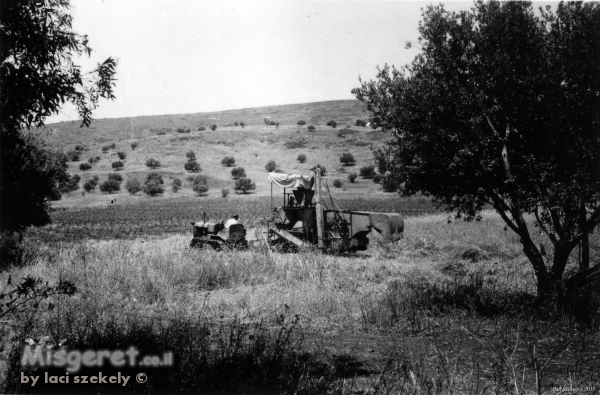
[447, 310]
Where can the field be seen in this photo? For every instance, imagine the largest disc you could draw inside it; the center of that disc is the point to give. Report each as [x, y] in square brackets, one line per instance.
[450, 309]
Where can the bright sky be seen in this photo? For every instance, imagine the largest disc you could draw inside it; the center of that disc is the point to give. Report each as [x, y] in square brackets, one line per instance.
[189, 56]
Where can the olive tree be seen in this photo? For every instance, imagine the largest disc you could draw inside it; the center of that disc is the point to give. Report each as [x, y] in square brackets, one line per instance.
[501, 108]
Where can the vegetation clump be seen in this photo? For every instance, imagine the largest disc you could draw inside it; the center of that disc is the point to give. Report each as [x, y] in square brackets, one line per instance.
[352, 177]
[176, 186]
[153, 184]
[228, 161]
[333, 124]
[85, 166]
[118, 165]
[270, 166]
[200, 185]
[367, 171]
[244, 185]
[238, 172]
[152, 163]
[347, 159]
[301, 158]
[337, 183]
[133, 186]
[110, 186]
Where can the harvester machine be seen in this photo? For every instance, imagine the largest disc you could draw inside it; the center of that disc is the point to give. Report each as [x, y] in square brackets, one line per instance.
[308, 219]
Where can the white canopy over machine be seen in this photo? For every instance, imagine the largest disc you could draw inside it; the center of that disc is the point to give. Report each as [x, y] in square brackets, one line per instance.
[291, 180]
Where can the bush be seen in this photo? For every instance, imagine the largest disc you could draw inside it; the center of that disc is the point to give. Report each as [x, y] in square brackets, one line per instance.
[347, 159]
[311, 128]
[115, 176]
[96, 178]
[377, 178]
[110, 186]
[152, 163]
[238, 172]
[389, 182]
[201, 128]
[89, 186]
[133, 186]
[244, 185]
[344, 132]
[242, 124]
[301, 158]
[360, 122]
[200, 185]
[108, 147]
[228, 161]
[72, 184]
[134, 145]
[74, 155]
[176, 184]
[93, 161]
[337, 183]
[295, 144]
[182, 130]
[301, 123]
[225, 191]
[352, 177]
[122, 155]
[191, 155]
[367, 171]
[118, 165]
[333, 124]
[192, 166]
[79, 147]
[85, 166]
[153, 184]
[213, 127]
[270, 166]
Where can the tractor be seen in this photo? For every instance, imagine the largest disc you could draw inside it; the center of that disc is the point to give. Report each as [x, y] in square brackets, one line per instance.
[305, 219]
[215, 234]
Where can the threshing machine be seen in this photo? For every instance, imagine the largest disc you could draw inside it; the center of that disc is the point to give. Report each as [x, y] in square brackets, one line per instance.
[306, 218]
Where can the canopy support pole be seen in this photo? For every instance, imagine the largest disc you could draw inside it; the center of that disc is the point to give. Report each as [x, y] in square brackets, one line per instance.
[319, 208]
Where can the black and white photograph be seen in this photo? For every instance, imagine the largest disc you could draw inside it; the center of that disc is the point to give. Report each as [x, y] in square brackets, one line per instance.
[299, 197]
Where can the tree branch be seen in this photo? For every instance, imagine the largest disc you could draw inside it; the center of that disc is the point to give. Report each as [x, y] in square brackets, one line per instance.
[541, 225]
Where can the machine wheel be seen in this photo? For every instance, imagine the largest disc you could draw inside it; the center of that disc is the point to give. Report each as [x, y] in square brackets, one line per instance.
[196, 243]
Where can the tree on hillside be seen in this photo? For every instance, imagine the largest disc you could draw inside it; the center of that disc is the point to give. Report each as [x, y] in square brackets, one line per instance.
[37, 75]
[502, 108]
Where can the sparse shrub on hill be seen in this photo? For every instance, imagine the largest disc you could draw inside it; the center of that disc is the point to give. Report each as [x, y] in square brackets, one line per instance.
[108, 147]
[191, 155]
[367, 171]
[236, 124]
[133, 186]
[377, 178]
[333, 124]
[118, 165]
[161, 133]
[134, 145]
[92, 161]
[352, 177]
[96, 178]
[80, 147]
[311, 128]
[192, 166]
[122, 155]
[244, 185]
[301, 123]
[224, 192]
[74, 155]
[176, 184]
[201, 128]
[301, 158]
[115, 176]
[300, 143]
[238, 172]
[228, 161]
[270, 166]
[344, 132]
[85, 166]
[200, 185]
[110, 186]
[182, 130]
[152, 163]
[213, 127]
[337, 183]
[89, 186]
[153, 184]
[242, 124]
[347, 159]
[360, 122]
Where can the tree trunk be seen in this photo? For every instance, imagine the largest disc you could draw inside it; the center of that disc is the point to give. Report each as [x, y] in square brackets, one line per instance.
[584, 262]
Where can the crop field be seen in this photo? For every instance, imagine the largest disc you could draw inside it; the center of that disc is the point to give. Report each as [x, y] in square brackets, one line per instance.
[158, 217]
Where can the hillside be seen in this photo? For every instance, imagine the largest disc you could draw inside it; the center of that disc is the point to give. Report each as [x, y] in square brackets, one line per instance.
[252, 147]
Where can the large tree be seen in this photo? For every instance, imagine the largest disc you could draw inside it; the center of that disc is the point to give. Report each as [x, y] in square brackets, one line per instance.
[501, 108]
[38, 74]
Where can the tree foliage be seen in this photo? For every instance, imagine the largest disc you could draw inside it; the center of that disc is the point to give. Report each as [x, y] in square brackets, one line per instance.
[153, 163]
[502, 108]
[133, 186]
[244, 185]
[228, 161]
[238, 172]
[37, 75]
[271, 166]
[153, 184]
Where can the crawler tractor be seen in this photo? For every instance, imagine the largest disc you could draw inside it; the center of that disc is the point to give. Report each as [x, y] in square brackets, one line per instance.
[215, 235]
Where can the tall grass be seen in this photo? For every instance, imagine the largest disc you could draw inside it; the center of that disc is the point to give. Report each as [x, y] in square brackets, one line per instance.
[449, 309]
